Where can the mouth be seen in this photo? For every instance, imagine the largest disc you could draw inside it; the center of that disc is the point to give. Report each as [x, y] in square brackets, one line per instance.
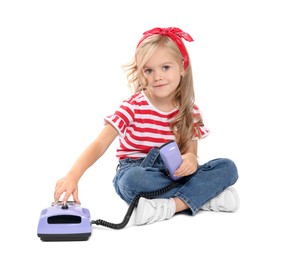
[159, 86]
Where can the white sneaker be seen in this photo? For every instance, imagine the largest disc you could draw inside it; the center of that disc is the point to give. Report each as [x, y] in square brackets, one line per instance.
[149, 211]
[227, 201]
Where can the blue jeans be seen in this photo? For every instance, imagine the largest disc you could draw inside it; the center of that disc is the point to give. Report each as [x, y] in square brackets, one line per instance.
[147, 174]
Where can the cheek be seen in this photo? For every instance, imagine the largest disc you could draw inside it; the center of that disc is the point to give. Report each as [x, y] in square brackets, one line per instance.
[177, 80]
[149, 80]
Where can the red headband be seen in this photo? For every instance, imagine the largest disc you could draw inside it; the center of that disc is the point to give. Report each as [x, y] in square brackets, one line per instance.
[175, 34]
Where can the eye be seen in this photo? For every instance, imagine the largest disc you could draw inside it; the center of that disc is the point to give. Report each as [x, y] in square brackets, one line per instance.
[166, 67]
[147, 71]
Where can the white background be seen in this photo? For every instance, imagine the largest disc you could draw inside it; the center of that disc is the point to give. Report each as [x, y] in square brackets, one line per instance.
[60, 74]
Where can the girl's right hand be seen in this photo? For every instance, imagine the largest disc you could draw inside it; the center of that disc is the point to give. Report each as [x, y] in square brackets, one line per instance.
[66, 185]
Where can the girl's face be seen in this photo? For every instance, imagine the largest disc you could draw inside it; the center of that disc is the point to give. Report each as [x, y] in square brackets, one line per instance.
[163, 74]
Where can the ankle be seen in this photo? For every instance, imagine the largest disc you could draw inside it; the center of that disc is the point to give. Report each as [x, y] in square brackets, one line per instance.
[180, 205]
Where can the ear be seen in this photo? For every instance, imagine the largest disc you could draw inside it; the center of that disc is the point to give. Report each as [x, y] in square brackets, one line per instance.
[182, 72]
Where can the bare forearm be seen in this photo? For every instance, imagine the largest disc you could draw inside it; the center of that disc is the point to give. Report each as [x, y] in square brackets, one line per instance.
[69, 184]
[91, 154]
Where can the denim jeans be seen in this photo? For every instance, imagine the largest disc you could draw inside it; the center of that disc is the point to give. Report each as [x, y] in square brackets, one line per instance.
[147, 174]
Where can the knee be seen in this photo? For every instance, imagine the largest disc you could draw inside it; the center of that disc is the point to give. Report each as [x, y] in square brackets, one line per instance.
[230, 169]
[127, 185]
[132, 177]
[225, 167]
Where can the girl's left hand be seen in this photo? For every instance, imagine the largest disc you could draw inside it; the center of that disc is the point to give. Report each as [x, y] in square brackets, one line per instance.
[188, 166]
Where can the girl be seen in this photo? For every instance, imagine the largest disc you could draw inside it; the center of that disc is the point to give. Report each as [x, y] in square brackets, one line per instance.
[161, 109]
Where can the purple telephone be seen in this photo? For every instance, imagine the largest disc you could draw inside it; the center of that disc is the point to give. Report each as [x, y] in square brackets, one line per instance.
[171, 157]
[68, 222]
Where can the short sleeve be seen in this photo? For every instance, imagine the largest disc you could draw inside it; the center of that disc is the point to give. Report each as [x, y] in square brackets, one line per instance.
[200, 130]
[204, 131]
[122, 118]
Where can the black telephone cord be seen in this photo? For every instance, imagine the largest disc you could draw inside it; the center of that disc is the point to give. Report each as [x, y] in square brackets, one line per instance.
[147, 195]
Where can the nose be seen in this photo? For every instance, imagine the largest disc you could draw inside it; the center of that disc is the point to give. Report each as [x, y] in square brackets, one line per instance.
[157, 76]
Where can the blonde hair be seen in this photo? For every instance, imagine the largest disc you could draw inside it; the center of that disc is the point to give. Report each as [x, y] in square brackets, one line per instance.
[182, 125]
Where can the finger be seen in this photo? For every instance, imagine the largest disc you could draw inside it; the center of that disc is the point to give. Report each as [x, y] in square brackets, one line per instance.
[57, 195]
[75, 196]
[58, 192]
[179, 170]
[66, 197]
[58, 184]
[184, 171]
[179, 174]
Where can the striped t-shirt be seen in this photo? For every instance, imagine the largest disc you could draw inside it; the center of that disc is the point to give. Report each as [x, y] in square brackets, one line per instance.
[141, 126]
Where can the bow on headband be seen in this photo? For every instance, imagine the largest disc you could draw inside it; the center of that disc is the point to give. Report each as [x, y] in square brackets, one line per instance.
[175, 34]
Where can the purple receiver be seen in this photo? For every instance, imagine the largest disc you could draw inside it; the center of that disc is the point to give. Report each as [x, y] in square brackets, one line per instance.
[171, 157]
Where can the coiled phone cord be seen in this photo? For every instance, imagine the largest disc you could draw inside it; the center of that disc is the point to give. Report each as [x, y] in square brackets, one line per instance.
[147, 195]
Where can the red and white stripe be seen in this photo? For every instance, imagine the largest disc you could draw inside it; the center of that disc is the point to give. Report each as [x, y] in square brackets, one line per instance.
[141, 126]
